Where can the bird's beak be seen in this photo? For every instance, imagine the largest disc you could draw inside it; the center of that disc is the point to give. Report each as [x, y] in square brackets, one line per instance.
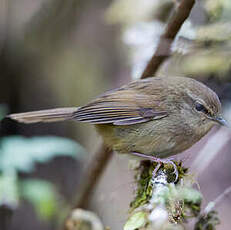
[220, 120]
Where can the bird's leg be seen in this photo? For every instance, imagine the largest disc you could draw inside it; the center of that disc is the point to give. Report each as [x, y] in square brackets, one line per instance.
[160, 162]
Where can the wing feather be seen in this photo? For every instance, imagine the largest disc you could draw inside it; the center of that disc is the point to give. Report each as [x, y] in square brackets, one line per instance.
[124, 106]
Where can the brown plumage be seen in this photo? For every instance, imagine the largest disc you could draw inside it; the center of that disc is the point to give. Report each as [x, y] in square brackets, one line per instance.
[159, 116]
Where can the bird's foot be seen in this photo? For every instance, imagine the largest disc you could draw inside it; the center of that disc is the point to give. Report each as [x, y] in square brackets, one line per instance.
[170, 161]
[159, 163]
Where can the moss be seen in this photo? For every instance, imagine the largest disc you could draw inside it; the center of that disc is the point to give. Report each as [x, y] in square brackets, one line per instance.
[170, 171]
[144, 180]
[192, 202]
[144, 184]
[207, 221]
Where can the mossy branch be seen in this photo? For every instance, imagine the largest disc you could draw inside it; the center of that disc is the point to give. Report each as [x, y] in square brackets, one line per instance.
[161, 203]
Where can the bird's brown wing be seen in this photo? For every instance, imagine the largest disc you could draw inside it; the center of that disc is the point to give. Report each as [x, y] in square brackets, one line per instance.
[124, 106]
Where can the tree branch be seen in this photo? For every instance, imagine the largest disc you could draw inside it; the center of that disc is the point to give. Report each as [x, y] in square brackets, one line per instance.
[95, 169]
[180, 14]
[159, 203]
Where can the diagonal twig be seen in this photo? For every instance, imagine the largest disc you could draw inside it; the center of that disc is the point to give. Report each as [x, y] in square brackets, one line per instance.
[180, 14]
[95, 169]
[211, 205]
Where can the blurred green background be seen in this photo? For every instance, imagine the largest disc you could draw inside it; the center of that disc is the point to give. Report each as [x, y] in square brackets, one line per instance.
[56, 53]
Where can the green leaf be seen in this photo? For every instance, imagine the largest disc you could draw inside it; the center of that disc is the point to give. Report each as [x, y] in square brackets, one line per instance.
[22, 153]
[190, 195]
[42, 195]
[9, 189]
[136, 221]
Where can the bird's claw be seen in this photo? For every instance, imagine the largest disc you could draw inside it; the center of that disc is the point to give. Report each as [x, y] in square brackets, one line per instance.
[159, 161]
[169, 161]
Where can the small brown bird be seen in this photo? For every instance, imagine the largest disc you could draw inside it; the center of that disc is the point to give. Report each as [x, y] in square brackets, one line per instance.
[155, 118]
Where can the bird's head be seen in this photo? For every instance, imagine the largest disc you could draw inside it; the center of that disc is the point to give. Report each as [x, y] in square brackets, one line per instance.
[206, 104]
[199, 103]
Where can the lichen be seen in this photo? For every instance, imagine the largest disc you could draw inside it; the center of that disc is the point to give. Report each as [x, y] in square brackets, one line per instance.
[164, 203]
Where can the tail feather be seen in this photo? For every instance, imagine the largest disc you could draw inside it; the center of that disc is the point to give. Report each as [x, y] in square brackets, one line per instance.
[49, 115]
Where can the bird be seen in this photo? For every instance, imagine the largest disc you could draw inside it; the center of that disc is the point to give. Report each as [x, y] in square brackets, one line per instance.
[153, 118]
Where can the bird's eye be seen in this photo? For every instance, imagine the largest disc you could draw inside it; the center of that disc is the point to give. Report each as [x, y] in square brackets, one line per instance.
[201, 108]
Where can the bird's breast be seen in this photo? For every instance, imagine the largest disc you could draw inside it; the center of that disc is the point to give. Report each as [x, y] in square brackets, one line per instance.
[160, 138]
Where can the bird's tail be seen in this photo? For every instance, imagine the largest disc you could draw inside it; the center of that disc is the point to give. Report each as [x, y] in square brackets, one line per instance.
[49, 115]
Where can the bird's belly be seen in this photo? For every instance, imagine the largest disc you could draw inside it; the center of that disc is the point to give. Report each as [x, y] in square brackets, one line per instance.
[147, 142]
[147, 138]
